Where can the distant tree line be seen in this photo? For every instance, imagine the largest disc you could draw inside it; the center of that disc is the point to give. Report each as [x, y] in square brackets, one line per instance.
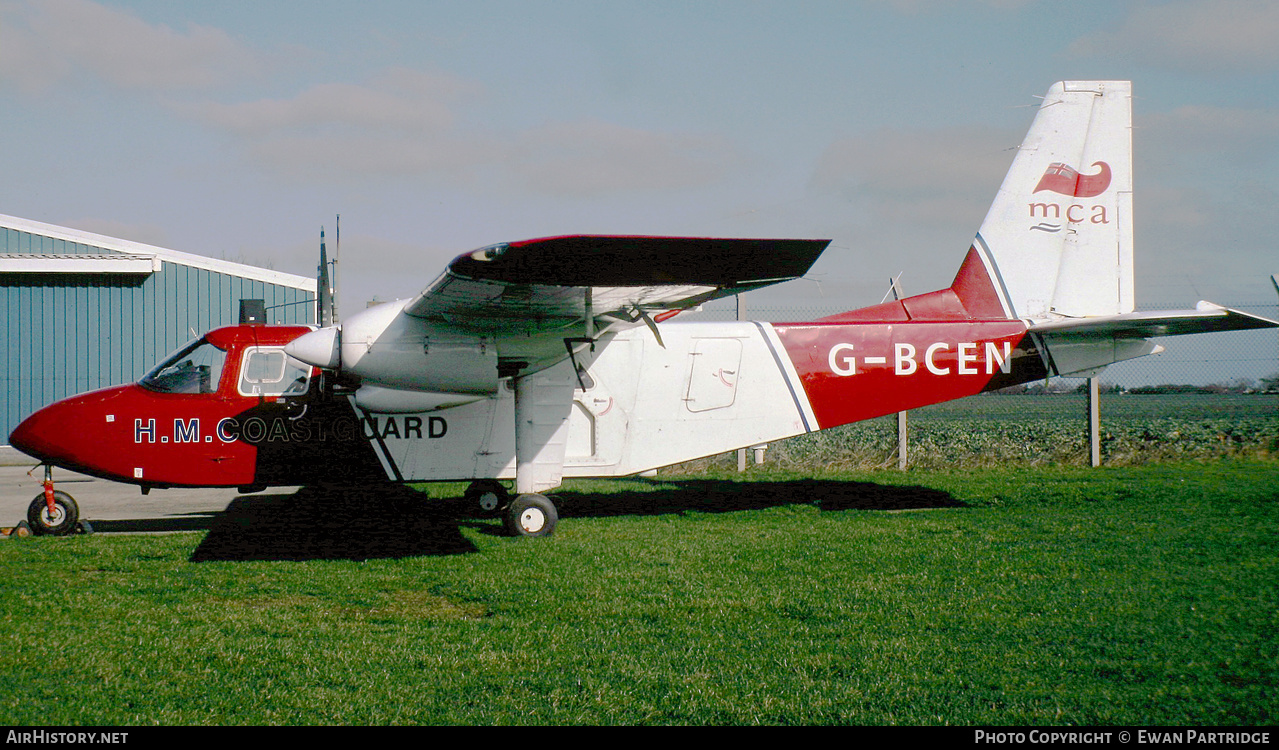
[1269, 384]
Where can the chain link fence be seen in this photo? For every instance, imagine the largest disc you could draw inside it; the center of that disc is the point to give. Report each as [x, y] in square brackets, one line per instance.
[1206, 396]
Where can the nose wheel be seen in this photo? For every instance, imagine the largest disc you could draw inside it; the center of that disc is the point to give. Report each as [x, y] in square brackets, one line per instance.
[54, 513]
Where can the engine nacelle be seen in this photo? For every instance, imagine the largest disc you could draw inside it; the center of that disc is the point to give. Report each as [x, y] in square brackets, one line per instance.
[379, 400]
[383, 346]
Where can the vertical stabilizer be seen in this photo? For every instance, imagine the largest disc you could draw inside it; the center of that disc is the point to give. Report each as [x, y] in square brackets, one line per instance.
[1059, 233]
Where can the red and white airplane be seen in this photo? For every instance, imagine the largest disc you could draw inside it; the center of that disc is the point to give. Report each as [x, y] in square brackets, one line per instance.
[552, 358]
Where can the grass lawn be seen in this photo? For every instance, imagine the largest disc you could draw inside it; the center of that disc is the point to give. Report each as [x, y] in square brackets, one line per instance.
[1035, 595]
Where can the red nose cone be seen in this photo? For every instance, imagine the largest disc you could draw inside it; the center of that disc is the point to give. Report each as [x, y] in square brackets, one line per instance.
[66, 433]
[35, 436]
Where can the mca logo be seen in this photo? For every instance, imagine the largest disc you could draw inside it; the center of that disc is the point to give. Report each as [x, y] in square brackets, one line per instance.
[1066, 180]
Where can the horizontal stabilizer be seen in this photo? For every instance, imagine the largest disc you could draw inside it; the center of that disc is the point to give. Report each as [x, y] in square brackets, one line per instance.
[1205, 318]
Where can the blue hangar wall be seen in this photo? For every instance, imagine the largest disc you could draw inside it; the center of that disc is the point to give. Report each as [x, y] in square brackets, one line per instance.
[84, 311]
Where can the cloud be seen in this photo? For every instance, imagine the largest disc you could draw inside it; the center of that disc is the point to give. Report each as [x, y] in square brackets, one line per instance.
[1205, 180]
[148, 234]
[401, 122]
[914, 7]
[43, 43]
[369, 155]
[411, 123]
[1192, 35]
[1247, 134]
[399, 99]
[592, 156]
[918, 176]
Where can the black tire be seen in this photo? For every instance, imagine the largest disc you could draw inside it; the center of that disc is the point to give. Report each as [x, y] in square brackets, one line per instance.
[59, 523]
[486, 498]
[531, 515]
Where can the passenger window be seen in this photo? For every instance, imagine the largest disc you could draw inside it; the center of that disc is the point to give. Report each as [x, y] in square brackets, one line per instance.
[270, 372]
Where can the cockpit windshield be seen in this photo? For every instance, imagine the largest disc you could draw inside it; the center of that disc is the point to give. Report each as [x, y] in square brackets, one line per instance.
[195, 368]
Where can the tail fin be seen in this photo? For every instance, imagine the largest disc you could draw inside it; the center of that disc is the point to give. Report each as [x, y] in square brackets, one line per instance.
[1055, 248]
[1058, 237]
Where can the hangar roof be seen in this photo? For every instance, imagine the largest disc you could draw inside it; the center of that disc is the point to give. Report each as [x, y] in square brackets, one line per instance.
[137, 251]
[55, 263]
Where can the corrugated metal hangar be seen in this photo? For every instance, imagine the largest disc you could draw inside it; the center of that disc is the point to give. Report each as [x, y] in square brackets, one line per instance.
[85, 311]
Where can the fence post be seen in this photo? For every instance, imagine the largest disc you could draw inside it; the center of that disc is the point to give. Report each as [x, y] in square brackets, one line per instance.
[741, 315]
[1094, 423]
[902, 441]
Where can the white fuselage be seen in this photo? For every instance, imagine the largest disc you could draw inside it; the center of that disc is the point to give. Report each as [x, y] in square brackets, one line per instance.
[714, 387]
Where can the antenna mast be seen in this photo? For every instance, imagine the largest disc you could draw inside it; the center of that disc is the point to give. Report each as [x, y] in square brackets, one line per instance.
[333, 277]
[323, 292]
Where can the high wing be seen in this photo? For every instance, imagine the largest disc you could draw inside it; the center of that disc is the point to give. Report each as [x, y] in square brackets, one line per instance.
[517, 308]
[543, 285]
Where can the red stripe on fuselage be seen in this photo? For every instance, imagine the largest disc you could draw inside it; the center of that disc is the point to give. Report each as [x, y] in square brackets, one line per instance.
[856, 371]
[921, 350]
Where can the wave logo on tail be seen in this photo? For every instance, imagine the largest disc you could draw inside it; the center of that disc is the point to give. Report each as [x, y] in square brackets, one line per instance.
[1066, 180]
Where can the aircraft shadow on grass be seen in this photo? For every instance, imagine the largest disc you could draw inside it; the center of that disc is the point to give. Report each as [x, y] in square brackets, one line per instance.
[396, 521]
[718, 496]
[334, 524]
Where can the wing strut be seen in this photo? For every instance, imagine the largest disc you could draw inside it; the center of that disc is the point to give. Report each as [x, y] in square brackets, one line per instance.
[652, 326]
[583, 377]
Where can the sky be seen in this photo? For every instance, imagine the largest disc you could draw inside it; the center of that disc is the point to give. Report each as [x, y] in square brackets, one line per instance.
[237, 130]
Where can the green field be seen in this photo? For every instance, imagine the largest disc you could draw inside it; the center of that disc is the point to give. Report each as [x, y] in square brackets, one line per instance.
[1141, 595]
[995, 430]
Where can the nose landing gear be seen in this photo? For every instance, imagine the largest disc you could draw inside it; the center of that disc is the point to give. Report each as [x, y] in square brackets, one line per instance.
[53, 512]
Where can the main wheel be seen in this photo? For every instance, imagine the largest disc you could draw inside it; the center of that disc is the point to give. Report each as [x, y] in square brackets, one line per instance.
[60, 522]
[531, 515]
[486, 497]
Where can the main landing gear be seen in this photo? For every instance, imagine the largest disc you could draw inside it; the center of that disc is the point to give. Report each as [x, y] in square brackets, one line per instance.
[486, 497]
[531, 515]
[53, 512]
[526, 515]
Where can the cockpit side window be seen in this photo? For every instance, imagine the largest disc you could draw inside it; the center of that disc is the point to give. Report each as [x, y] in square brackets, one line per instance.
[195, 368]
[268, 371]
